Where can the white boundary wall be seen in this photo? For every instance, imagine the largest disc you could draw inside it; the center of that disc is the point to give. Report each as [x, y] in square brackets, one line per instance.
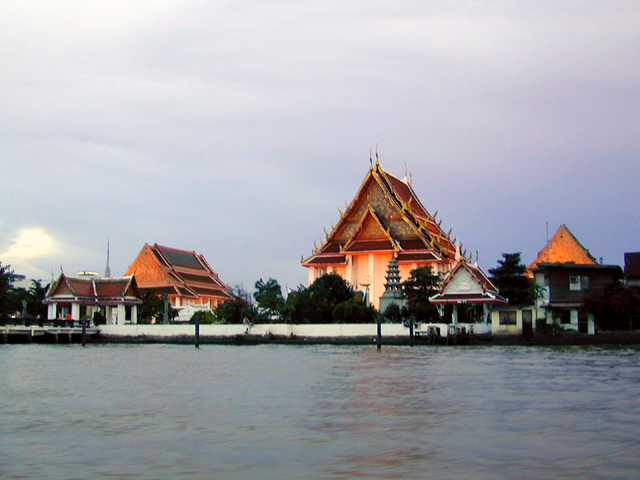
[337, 330]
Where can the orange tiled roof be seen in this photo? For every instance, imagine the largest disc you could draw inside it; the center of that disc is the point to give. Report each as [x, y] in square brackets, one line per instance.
[563, 247]
[179, 272]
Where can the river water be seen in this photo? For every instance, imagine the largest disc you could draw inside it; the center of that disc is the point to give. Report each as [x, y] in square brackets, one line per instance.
[325, 412]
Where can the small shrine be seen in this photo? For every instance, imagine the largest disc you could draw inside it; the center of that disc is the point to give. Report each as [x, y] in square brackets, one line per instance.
[73, 298]
[466, 285]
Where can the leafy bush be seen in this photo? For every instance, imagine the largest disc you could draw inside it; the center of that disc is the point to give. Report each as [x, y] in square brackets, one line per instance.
[205, 317]
[353, 311]
[393, 313]
[553, 329]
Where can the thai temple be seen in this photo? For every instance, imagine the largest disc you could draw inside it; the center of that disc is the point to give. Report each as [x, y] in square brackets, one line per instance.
[185, 277]
[384, 218]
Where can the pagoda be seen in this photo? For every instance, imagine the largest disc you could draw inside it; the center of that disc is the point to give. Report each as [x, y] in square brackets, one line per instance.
[384, 219]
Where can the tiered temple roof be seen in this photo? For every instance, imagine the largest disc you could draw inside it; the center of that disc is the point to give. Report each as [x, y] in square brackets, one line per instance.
[385, 215]
[177, 273]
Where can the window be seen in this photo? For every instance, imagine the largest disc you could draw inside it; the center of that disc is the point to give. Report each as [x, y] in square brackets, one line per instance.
[574, 282]
[577, 282]
[508, 317]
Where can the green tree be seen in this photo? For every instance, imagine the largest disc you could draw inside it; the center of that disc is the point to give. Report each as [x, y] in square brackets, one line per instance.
[151, 309]
[269, 298]
[204, 317]
[418, 288]
[36, 295]
[613, 307]
[353, 311]
[9, 296]
[316, 303]
[511, 282]
[235, 311]
[393, 313]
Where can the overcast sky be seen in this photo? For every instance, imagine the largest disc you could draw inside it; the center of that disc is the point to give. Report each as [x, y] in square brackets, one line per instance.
[236, 128]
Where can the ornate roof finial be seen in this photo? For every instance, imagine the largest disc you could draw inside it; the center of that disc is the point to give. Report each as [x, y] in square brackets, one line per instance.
[476, 264]
[377, 159]
[371, 158]
[458, 256]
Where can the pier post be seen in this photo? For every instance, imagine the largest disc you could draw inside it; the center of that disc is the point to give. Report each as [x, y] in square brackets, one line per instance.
[197, 336]
[379, 331]
[83, 322]
[411, 331]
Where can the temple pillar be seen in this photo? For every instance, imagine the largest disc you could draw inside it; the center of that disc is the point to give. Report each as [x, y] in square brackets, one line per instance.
[134, 314]
[75, 311]
[51, 311]
[122, 315]
[454, 317]
[372, 273]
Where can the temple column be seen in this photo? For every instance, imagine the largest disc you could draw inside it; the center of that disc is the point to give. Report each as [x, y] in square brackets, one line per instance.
[454, 317]
[348, 272]
[75, 311]
[122, 313]
[51, 311]
[372, 273]
[134, 314]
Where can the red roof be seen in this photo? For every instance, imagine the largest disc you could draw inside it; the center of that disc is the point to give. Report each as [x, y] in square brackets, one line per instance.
[179, 272]
[88, 291]
[386, 215]
[632, 265]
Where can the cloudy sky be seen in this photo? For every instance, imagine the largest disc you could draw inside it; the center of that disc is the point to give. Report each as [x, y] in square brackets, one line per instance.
[236, 128]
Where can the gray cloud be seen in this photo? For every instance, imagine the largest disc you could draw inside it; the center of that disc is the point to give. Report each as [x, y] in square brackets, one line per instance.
[236, 128]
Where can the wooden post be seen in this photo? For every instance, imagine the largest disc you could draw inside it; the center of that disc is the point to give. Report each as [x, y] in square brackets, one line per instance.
[165, 312]
[197, 338]
[84, 331]
[379, 334]
[411, 331]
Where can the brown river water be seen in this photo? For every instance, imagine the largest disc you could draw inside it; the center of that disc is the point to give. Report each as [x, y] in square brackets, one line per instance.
[325, 412]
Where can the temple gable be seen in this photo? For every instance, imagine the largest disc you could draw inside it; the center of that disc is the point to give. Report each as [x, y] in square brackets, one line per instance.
[385, 217]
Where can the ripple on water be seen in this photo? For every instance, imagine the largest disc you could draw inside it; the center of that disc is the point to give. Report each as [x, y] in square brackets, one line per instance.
[168, 411]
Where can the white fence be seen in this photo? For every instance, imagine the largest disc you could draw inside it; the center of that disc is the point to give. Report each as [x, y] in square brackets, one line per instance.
[280, 330]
